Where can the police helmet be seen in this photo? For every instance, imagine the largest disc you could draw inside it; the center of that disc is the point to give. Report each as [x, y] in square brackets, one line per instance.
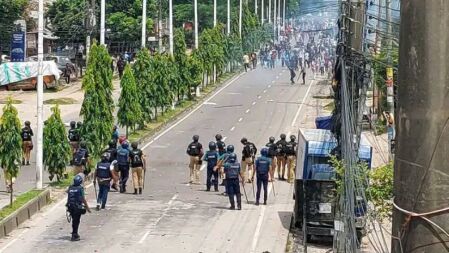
[114, 127]
[134, 145]
[264, 152]
[104, 157]
[77, 180]
[218, 137]
[27, 123]
[271, 139]
[292, 137]
[212, 145]
[232, 158]
[79, 124]
[195, 137]
[83, 144]
[112, 144]
[125, 144]
[230, 148]
[244, 140]
[283, 136]
[72, 124]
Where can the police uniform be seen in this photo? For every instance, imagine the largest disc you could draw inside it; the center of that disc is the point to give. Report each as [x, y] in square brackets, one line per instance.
[272, 152]
[104, 175]
[232, 171]
[74, 139]
[281, 158]
[75, 207]
[263, 165]
[211, 157]
[137, 168]
[248, 152]
[194, 150]
[123, 166]
[112, 154]
[80, 161]
[27, 144]
[290, 151]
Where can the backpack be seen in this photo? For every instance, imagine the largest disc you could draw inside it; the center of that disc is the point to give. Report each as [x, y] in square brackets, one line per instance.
[271, 149]
[252, 149]
[136, 160]
[122, 156]
[72, 135]
[74, 198]
[263, 166]
[26, 134]
[290, 148]
[194, 149]
[80, 157]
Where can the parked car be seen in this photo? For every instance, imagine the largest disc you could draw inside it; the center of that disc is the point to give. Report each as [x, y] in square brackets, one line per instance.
[61, 62]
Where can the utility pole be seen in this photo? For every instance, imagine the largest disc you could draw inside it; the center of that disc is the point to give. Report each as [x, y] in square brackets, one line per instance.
[262, 14]
[195, 7]
[215, 13]
[255, 7]
[170, 23]
[92, 24]
[228, 25]
[144, 23]
[279, 19]
[102, 22]
[40, 96]
[240, 19]
[390, 82]
[421, 160]
[274, 20]
[269, 11]
[283, 16]
[159, 26]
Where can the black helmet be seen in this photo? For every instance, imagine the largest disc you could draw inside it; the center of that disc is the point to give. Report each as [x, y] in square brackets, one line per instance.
[271, 139]
[283, 136]
[195, 137]
[79, 124]
[112, 144]
[212, 145]
[72, 124]
[83, 144]
[292, 137]
[134, 145]
[244, 140]
[232, 158]
[230, 148]
[218, 137]
[77, 180]
[104, 157]
[27, 123]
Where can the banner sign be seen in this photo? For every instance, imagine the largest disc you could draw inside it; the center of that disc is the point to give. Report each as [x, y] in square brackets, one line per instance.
[18, 47]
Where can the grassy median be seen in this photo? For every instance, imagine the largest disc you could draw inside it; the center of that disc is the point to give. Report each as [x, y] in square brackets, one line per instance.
[20, 201]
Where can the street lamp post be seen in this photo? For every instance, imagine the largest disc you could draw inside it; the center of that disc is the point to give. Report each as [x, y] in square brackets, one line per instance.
[215, 13]
[144, 23]
[40, 96]
[170, 14]
[240, 19]
[229, 17]
[195, 6]
[102, 22]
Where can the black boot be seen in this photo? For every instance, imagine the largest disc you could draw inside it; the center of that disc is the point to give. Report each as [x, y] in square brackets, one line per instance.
[122, 189]
[135, 191]
[75, 237]
[239, 202]
[140, 190]
[231, 200]
[114, 186]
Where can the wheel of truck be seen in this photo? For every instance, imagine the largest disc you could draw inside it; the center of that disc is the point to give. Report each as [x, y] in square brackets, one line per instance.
[359, 238]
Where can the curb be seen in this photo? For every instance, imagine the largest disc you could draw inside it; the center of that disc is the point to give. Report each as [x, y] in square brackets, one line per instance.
[11, 222]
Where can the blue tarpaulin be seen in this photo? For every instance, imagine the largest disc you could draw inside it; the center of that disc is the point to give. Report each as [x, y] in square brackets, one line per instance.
[324, 122]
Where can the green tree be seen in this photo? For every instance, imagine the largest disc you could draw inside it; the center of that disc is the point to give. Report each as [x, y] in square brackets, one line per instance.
[11, 10]
[146, 87]
[10, 144]
[67, 18]
[180, 64]
[129, 113]
[195, 70]
[57, 151]
[161, 79]
[98, 105]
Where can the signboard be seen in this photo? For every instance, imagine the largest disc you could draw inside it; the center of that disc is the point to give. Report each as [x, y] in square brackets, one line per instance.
[18, 47]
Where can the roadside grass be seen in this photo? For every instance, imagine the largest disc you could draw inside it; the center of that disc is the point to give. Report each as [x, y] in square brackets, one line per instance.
[60, 101]
[64, 183]
[14, 101]
[330, 107]
[20, 201]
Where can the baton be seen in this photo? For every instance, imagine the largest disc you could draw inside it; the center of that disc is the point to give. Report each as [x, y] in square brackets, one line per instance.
[274, 192]
[244, 190]
[95, 188]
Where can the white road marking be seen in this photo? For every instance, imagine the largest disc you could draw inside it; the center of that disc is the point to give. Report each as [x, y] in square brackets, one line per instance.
[254, 102]
[258, 97]
[269, 86]
[224, 138]
[302, 103]
[190, 113]
[240, 120]
[273, 81]
[259, 223]
[209, 103]
[264, 91]
[164, 213]
[247, 111]
[232, 128]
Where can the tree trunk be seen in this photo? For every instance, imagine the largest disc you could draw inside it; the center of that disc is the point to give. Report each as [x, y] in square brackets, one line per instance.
[126, 130]
[11, 193]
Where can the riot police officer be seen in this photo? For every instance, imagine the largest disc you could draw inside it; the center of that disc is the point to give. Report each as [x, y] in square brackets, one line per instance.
[111, 153]
[195, 151]
[76, 205]
[281, 157]
[222, 160]
[248, 152]
[211, 157]
[263, 164]
[74, 137]
[103, 174]
[290, 151]
[232, 171]
[123, 165]
[272, 152]
[221, 146]
[138, 167]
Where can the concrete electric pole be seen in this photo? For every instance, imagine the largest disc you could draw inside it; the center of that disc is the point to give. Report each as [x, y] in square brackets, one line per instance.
[421, 160]
[102, 22]
[240, 18]
[144, 23]
[40, 96]
[228, 25]
[195, 11]
[262, 9]
[269, 11]
[215, 13]
[170, 23]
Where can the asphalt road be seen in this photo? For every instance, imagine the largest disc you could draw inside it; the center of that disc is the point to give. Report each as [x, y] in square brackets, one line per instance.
[171, 215]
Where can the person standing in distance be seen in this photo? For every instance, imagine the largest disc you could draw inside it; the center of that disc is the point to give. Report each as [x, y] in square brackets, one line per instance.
[76, 205]
[103, 174]
[221, 161]
[248, 152]
[221, 146]
[195, 151]
[263, 165]
[211, 157]
[111, 153]
[80, 159]
[123, 165]
[74, 137]
[232, 171]
[138, 167]
[27, 143]
[272, 152]
[281, 157]
[290, 151]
